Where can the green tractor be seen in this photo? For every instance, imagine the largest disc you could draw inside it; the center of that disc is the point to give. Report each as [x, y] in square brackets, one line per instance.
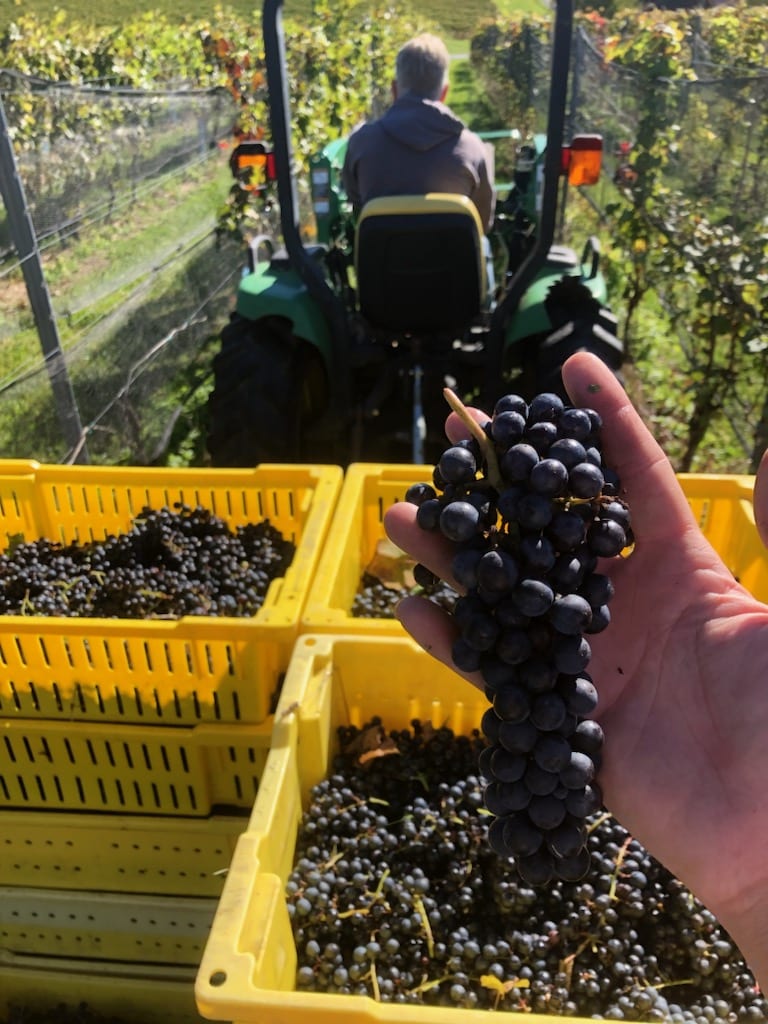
[339, 351]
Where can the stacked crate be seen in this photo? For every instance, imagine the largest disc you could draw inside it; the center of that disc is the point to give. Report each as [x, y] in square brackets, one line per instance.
[343, 671]
[132, 750]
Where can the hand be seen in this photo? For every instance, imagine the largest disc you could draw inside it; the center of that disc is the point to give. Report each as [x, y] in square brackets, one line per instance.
[682, 673]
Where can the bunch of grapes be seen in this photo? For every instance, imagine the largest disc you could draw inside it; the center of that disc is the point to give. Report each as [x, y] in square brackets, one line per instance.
[171, 562]
[531, 508]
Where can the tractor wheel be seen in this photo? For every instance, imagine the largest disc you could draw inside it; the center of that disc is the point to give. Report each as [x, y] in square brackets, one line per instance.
[564, 342]
[268, 385]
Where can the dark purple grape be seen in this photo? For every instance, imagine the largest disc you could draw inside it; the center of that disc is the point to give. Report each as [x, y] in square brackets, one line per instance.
[511, 403]
[570, 614]
[428, 514]
[534, 511]
[538, 553]
[571, 654]
[567, 450]
[532, 597]
[464, 566]
[507, 502]
[575, 867]
[549, 478]
[567, 530]
[507, 428]
[512, 703]
[497, 571]
[465, 657]
[616, 511]
[501, 798]
[597, 589]
[513, 645]
[567, 573]
[606, 538]
[417, 494]
[579, 694]
[541, 436]
[546, 812]
[490, 724]
[601, 619]
[495, 672]
[568, 838]
[484, 761]
[522, 839]
[574, 423]
[552, 752]
[580, 771]
[517, 462]
[545, 406]
[583, 802]
[538, 869]
[587, 737]
[539, 781]
[517, 737]
[585, 481]
[459, 521]
[548, 711]
[537, 674]
[480, 632]
[424, 577]
[507, 767]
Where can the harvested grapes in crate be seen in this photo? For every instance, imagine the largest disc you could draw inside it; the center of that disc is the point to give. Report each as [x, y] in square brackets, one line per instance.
[171, 562]
[531, 507]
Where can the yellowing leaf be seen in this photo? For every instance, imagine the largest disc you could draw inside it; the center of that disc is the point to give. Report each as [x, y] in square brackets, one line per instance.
[502, 987]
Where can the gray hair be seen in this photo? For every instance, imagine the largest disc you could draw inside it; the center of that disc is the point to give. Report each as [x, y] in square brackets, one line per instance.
[422, 66]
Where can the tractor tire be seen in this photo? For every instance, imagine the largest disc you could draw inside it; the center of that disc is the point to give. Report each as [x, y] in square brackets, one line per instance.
[268, 386]
[572, 337]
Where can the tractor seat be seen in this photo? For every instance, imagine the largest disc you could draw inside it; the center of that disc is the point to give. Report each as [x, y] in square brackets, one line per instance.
[419, 262]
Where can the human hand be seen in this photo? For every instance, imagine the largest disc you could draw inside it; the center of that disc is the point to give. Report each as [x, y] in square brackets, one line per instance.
[680, 670]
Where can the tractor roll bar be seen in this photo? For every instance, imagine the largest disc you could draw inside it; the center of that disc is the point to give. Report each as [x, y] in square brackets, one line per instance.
[562, 32]
[309, 269]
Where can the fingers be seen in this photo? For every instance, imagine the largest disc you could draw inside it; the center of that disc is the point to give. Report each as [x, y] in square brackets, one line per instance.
[659, 507]
[434, 629]
[760, 499]
[456, 430]
[430, 548]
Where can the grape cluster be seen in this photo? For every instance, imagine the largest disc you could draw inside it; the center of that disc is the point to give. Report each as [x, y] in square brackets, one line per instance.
[396, 895]
[172, 562]
[531, 507]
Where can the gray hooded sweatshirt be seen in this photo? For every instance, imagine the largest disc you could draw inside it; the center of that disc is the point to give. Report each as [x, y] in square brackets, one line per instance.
[418, 146]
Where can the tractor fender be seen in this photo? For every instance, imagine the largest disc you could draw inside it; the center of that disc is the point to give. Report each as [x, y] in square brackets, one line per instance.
[531, 318]
[278, 291]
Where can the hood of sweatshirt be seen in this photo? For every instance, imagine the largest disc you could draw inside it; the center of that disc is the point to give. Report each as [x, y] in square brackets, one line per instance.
[420, 123]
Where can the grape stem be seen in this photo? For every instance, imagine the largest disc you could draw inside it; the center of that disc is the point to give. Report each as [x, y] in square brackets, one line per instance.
[486, 445]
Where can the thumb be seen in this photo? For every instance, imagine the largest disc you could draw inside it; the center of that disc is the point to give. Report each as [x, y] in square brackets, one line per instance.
[659, 507]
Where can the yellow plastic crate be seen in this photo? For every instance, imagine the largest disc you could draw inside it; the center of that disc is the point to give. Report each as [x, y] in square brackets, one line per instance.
[721, 503]
[131, 769]
[104, 926]
[190, 671]
[171, 856]
[150, 993]
[351, 547]
[247, 973]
